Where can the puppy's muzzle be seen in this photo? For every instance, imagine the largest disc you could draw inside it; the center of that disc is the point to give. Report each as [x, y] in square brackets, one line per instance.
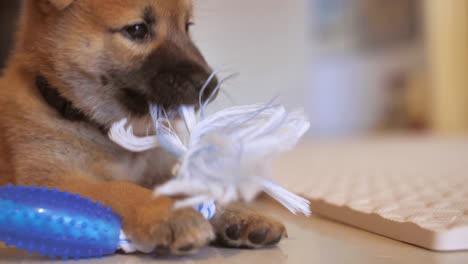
[182, 84]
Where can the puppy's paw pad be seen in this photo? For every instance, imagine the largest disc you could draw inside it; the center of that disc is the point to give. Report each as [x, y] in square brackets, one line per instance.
[258, 236]
[234, 232]
[243, 228]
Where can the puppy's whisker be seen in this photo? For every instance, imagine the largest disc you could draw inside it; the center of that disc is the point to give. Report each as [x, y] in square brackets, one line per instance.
[227, 78]
[202, 90]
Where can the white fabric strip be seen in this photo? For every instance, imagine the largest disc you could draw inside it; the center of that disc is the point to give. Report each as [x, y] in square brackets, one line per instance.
[225, 157]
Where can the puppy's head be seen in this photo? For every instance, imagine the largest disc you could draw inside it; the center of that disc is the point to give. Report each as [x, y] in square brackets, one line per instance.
[112, 58]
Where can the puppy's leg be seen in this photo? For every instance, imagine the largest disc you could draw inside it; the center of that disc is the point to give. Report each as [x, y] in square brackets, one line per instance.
[236, 225]
[149, 222]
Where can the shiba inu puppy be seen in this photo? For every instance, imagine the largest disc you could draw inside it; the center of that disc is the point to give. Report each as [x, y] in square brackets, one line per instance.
[77, 67]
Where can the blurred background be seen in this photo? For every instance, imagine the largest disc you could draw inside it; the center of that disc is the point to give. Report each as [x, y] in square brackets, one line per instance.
[357, 67]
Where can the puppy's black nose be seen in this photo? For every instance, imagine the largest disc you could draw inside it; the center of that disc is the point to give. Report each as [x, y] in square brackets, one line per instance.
[183, 83]
[178, 74]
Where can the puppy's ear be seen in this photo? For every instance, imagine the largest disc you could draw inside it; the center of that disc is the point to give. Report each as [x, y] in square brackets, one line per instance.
[61, 4]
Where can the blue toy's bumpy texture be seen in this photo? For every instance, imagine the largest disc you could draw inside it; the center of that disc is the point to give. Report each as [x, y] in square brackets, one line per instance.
[56, 224]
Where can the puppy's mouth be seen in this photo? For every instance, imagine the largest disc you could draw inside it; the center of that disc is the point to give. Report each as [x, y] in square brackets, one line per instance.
[169, 97]
[134, 101]
[138, 104]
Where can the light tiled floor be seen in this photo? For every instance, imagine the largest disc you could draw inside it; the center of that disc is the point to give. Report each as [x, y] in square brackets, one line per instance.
[312, 240]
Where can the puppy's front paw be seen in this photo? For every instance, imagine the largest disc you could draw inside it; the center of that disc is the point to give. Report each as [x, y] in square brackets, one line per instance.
[163, 231]
[241, 227]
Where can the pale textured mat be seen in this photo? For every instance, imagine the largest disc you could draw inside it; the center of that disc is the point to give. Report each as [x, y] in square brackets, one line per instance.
[412, 190]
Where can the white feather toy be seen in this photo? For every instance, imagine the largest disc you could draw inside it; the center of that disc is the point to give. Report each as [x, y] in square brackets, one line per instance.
[224, 157]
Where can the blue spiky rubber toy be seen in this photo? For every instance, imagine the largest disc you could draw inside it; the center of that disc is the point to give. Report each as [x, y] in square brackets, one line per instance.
[57, 224]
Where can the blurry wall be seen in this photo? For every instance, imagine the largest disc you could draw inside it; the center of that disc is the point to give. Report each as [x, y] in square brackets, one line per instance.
[264, 40]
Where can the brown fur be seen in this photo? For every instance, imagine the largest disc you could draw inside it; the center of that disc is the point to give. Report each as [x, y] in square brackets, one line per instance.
[78, 46]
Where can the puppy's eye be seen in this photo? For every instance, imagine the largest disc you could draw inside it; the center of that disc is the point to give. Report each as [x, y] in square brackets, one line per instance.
[136, 32]
[188, 25]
